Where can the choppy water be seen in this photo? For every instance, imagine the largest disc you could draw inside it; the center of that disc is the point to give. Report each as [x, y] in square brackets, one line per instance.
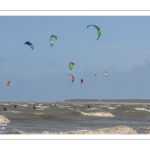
[76, 118]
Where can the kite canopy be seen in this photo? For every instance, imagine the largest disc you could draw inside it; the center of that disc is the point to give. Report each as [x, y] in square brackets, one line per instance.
[98, 30]
[52, 40]
[95, 75]
[71, 76]
[29, 44]
[8, 83]
[106, 73]
[81, 81]
[71, 64]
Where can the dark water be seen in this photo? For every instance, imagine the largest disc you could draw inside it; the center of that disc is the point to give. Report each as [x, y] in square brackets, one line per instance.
[70, 117]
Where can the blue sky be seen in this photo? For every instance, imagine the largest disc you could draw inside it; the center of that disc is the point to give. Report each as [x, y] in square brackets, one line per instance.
[42, 74]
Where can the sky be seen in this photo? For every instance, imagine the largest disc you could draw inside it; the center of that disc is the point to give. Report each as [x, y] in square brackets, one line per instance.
[41, 74]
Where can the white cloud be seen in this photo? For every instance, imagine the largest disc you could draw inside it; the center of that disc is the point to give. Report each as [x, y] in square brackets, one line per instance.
[140, 61]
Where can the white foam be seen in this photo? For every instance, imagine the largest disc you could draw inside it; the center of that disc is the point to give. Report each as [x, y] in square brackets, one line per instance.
[12, 111]
[41, 107]
[112, 107]
[23, 105]
[142, 109]
[40, 104]
[45, 107]
[94, 108]
[103, 106]
[54, 104]
[39, 113]
[4, 120]
[63, 106]
[15, 131]
[5, 104]
[113, 130]
[98, 114]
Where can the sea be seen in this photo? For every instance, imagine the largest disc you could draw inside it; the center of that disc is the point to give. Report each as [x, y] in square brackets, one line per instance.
[74, 117]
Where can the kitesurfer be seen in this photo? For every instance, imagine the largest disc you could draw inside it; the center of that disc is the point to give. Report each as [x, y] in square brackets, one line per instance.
[89, 107]
[5, 109]
[33, 107]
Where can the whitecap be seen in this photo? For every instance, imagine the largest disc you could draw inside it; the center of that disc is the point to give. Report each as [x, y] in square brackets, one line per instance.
[23, 105]
[15, 131]
[112, 107]
[12, 111]
[38, 106]
[63, 106]
[5, 104]
[142, 109]
[4, 120]
[112, 130]
[98, 114]
[39, 113]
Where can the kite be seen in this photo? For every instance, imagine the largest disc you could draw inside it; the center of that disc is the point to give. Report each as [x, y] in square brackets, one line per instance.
[30, 44]
[98, 30]
[81, 81]
[95, 75]
[71, 76]
[52, 40]
[106, 73]
[8, 83]
[71, 64]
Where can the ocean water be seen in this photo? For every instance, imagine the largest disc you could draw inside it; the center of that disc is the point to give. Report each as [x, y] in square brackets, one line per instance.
[105, 117]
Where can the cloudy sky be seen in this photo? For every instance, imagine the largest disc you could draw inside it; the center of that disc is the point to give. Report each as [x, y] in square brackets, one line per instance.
[42, 74]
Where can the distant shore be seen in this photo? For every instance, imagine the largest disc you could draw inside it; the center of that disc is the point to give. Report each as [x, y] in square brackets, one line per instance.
[110, 101]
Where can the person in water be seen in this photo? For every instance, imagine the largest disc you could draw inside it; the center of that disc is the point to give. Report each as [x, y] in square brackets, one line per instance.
[33, 107]
[89, 107]
[15, 106]
[5, 109]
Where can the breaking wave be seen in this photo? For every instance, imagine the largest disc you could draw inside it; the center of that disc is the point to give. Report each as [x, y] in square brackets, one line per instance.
[40, 104]
[15, 131]
[142, 109]
[41, 107]
[98, 114]
[5, 104]
[112, 107]
[41, 116]
[113, 130]
[4, 120]
[23, 105]
[63, 106]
